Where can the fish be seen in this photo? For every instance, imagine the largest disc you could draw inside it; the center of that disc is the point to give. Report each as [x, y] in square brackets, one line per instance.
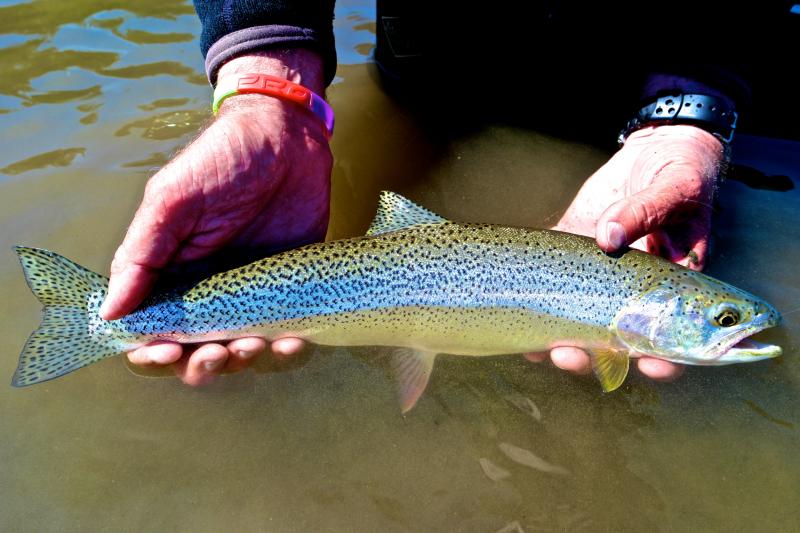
[419, 285]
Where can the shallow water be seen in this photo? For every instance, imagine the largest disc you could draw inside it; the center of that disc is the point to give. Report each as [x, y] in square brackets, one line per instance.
[104, 91]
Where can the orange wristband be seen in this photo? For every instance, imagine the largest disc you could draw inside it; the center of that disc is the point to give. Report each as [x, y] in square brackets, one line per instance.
[277, 87]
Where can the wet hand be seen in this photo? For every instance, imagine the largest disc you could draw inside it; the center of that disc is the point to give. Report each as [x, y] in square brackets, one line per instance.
[654, 194]
[257, 177]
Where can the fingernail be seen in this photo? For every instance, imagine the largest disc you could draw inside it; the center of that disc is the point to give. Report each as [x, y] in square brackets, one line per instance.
[615, 235]
[245, 355]
[211, 366]
[103, 311]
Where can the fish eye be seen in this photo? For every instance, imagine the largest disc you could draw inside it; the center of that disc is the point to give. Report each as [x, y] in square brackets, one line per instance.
[727, 317]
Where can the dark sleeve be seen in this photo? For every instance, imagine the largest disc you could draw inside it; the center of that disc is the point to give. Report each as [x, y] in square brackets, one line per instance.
[708, 79]
[713, 47]
[234, 27]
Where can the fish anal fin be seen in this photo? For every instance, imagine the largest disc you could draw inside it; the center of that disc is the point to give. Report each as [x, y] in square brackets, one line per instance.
[396, 212]
[610, 366]
[412, 370]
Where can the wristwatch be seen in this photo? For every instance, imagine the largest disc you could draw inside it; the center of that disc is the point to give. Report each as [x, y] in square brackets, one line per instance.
[710, 113]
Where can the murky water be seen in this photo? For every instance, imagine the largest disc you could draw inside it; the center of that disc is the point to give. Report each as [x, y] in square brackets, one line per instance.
[97, 94]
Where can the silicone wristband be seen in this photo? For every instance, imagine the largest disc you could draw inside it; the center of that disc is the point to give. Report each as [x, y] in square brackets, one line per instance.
[277, 87]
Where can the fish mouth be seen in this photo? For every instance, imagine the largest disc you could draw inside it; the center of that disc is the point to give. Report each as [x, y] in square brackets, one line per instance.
[749, 350]
[738, 347]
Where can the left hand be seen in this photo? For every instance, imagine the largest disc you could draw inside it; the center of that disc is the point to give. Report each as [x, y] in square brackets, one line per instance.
[258, 177]
[654, 194]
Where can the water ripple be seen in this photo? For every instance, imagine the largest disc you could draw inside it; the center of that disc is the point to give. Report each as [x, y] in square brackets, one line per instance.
[55, 158]
[170, 125]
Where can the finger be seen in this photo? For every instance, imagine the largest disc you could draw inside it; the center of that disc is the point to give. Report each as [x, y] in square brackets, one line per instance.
[693, 248]
[660, 370]
[535, 357]
[687, 251]
[162, 221]
[696, 258]
[156, 353]
[571, 359]
[126, 289]
[287, 347]
[244, 351]
[203, 365]
[635, 216]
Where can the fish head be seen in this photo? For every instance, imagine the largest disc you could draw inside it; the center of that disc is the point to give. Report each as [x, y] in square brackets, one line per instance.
[694, 319]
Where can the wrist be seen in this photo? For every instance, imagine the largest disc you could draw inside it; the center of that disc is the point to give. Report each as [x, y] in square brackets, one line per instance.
[684, 143]
[686, 132]
[266, 122]
[298, 65]
[292, 76]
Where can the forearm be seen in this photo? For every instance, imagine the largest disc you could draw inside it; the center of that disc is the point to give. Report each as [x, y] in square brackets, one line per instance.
[244, 27]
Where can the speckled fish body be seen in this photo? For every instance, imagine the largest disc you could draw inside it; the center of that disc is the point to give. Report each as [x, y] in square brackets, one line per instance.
[424, 285]
[454, 288]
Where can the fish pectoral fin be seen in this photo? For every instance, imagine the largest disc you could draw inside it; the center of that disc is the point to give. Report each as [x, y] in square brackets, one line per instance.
[396, 212]
[610, 366]
[412, 369]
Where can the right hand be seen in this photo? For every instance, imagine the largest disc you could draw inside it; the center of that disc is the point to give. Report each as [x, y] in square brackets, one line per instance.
[656, 192]
[258, 176]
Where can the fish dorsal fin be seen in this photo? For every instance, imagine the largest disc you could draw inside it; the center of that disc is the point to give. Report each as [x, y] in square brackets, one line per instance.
[611, 367]
[412, 369]
[396, 212]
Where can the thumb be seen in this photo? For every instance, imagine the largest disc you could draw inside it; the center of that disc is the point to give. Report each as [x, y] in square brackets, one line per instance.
[638, 215]
[127, 287]
[152, 240]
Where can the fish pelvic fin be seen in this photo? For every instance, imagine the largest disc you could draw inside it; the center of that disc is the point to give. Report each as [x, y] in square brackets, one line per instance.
[412, 370]
[611, 367]
[396, 212]
[71, 296]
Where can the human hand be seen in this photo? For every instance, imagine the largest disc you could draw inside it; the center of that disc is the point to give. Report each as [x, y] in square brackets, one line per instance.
[258, 176]
[654, 194]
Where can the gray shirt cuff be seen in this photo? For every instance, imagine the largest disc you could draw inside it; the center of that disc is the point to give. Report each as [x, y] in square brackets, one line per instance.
[259, 38]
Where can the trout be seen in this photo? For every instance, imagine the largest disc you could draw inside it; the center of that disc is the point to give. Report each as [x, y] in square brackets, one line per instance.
[422, 285]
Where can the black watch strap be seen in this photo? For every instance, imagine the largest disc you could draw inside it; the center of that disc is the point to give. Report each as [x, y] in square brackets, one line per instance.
[711, 113]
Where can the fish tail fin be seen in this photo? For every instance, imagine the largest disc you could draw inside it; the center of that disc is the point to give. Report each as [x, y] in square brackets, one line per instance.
[65, 340]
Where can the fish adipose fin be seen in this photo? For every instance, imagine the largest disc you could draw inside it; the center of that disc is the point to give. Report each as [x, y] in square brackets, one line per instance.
[412, 370]
[396, 212]
[610, 367]
[63, 342]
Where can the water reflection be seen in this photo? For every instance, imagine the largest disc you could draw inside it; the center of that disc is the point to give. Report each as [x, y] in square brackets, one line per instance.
[164, 102]
[170, 125]
[34, 58]
[60, 53]
[55, 158]
[44, 17]
[159, 68]
[153, 162]
[58, 97]
[761, 412]
[146, 37]
[754, 178]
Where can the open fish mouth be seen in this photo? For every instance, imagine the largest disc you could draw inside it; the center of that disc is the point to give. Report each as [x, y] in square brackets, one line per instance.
[749, 350]
[738, 347]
